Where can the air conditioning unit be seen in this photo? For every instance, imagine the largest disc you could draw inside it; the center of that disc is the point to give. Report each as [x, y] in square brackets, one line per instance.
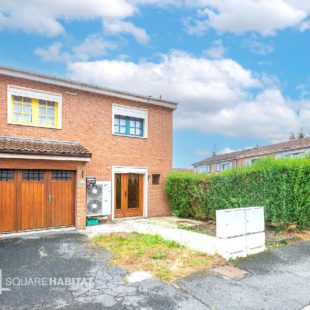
[99, 199]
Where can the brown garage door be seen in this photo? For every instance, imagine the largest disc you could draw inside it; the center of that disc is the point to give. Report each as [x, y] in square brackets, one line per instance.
[33, 199]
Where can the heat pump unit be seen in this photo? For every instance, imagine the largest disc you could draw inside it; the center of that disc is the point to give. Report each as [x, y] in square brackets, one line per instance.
[99, 199]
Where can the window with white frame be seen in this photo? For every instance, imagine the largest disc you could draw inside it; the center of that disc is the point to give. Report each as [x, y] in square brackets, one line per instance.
[293, 154]
[129, 121]
[223, 166]
[130, 126]
[203, 169]
[251, 161]
[33, 107]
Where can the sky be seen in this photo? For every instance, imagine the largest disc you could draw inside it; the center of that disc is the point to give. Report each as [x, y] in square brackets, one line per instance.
[239, 69]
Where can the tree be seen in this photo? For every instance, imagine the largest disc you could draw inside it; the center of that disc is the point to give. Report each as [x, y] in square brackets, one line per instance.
[292, 136]
[300, 135]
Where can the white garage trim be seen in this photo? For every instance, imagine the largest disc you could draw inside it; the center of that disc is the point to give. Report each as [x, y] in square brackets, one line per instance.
[60, 158]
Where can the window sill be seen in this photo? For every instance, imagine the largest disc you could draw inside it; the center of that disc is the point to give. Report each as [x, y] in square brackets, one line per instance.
[37, 126]
[127, 136]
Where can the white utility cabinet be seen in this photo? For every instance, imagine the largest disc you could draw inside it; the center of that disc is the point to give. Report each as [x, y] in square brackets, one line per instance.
[240, 232]
[99, 199]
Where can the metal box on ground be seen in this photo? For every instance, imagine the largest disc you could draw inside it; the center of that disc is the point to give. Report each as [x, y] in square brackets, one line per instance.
[240, 232]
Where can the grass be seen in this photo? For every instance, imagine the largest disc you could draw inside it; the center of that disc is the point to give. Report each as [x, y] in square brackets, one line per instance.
[166, 260]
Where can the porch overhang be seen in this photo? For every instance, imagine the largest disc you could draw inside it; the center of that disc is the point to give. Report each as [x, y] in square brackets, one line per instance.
[24, 148]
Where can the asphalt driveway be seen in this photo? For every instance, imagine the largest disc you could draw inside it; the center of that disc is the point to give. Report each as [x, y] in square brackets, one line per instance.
[278, 279]
[71, 256]
[38, 266]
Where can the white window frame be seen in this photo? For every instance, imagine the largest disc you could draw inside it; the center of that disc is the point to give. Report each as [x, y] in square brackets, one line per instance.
[34, 94]
[130, 112]
[302, 152]
[219, 166]
[251, 161]
[206, 168]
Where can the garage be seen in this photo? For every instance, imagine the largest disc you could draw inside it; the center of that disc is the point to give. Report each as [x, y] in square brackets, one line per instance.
[36, 199]
[41, 184]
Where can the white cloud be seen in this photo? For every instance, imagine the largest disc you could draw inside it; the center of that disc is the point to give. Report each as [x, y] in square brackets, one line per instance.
[216, 50]
[25, 21]
[202, 152]
[239, 16]
[92, 47]
[258, 46]
[268, 116]
[304, 90]
[52, 53]
[215, 95]
[119, 27]
[178, 75]
[43, 17]
[206, 153]
[195, 26]
[227, 149]
[305, 25]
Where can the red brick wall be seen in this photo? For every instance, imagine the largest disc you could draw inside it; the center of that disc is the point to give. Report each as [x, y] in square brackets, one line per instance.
[87, 118]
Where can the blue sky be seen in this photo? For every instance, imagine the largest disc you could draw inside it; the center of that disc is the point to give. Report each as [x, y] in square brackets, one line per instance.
[240, 69]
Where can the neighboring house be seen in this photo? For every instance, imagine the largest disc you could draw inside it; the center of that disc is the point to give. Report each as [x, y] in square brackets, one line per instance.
[288, 149]
[183, 169]
[54, 133]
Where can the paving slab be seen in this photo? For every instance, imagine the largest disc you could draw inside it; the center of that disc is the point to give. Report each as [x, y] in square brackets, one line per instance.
[230, 272]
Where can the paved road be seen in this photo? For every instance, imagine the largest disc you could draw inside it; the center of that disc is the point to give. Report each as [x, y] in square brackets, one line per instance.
[279, 280]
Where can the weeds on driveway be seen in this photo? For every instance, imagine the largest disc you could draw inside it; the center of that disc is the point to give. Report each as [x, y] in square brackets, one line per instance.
[166, 260]
[276, 239]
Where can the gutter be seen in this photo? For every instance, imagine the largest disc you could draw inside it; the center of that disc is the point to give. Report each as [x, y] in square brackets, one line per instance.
[12, 72]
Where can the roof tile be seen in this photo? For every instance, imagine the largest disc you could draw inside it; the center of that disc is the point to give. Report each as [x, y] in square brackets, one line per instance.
[260, 150]
[42, 147]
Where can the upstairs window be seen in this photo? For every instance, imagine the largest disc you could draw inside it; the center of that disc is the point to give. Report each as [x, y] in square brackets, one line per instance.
[47, 113]
[129, 126]
[22, 109]
[34, 108]
[128, 121]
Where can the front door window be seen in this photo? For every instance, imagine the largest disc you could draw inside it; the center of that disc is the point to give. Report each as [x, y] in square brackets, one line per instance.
[128, 195]
[118, 189]
[133, 191]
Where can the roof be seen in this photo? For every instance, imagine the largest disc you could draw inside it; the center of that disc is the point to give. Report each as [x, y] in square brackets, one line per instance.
[259, 151]
[52, 80]
[183, 169]
[42, 147]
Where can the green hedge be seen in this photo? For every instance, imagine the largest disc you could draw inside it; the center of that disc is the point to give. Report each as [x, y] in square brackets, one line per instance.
[282, 186]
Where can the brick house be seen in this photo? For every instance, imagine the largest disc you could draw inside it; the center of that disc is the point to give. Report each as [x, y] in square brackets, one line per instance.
[221, 162]
[55, 133]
